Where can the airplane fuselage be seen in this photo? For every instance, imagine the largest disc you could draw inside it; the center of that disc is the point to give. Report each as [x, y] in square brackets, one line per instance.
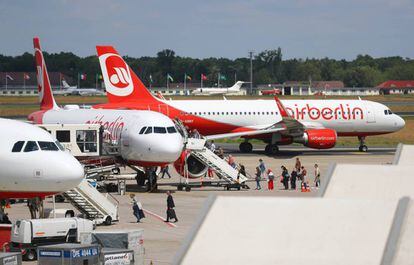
[32, 163]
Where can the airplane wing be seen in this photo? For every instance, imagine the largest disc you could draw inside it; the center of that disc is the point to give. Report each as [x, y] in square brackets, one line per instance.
[287, 126]
[244, 133]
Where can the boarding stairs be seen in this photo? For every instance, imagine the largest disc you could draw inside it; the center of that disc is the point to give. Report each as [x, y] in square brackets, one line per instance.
[221, 168]
[103, 209]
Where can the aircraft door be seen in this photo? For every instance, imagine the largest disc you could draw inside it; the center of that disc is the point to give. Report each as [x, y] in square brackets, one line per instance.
[370, 114]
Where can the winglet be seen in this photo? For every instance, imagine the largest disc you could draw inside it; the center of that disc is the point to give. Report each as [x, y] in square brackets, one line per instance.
[46, 99]
[121, 83]
[282, 109]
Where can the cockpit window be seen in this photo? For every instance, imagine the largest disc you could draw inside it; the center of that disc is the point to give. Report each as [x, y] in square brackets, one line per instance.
[142, 130]
[31, 146]
[61, 147]
[149, 130]
[160, 130]
[171, 129]
[386, 112]
[48, 146]
[389, 112]
[17, 147]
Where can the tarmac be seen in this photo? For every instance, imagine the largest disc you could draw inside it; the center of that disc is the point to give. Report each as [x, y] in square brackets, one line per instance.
[162, 240]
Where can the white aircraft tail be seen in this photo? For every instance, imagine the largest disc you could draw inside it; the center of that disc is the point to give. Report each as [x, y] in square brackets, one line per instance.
[65, 84]
[236, 87]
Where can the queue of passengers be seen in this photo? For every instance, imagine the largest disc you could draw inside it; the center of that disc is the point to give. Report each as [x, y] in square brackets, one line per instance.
[299, 173]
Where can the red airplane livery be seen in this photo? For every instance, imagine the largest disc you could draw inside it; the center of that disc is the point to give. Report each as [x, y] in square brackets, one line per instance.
[314, 123]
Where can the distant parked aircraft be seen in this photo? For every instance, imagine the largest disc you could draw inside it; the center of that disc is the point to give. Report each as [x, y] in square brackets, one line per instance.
[206, 91]
[75, 91]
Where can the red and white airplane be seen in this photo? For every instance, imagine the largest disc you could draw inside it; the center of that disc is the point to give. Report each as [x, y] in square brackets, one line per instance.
[145, 138]
[314, 123]
[33, 163]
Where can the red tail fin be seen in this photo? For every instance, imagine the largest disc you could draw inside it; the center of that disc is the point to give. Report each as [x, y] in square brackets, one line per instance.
[43, 84]
[121, 83]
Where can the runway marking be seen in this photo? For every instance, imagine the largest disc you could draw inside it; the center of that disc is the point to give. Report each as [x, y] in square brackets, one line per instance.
[159, 218]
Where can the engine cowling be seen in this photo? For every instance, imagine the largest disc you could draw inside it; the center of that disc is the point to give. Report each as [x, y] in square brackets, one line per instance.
[196, 169]
[320, 138]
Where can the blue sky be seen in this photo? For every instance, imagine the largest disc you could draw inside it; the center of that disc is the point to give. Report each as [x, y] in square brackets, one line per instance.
[226, 28]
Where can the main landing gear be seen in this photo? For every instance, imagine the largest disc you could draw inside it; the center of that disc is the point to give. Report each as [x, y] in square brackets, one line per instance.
[245, 147]
[362, 146]
[271, 149]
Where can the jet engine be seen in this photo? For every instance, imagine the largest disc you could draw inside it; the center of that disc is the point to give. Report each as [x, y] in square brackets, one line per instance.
[318, 138]
[196, 169]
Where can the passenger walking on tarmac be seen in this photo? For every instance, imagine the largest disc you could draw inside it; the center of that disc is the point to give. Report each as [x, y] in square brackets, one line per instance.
[164, 170]
[304, 177]
[242, 171]
[135, 207]
[298, 165]
[258, 177]
[317, 176]
[293, 177]
[285, 177]
[170, 208]
[262, 168]
[270, 179]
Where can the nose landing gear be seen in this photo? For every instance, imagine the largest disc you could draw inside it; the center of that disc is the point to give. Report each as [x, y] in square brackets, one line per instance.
[362, 146]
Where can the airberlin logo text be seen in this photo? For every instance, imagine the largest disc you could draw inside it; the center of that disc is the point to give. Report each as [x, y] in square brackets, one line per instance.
[115, 127]
[341, 112]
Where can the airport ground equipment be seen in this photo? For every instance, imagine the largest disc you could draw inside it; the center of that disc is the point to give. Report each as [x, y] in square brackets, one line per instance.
[5, 231]
[69, 254]
[93, 204]
[119, 239]
[11, 258]
[28, 235]
[230, 175]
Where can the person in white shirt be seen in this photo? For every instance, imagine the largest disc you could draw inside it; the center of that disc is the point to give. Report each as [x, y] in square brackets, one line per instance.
[317, 176]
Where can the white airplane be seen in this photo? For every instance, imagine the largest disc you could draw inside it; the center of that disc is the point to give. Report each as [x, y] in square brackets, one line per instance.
[145, 138]
[74, 91]
[314, 123]
[207, 91]
[33, 163]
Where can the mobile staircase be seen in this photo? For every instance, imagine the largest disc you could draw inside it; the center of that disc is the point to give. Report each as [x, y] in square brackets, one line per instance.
[231, 179]
[103, 209]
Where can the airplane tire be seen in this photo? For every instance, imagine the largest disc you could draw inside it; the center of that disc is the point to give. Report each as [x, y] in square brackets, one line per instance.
[30, 255]
[108, 220]
[363, 148]
[246, 147]
[271, 149]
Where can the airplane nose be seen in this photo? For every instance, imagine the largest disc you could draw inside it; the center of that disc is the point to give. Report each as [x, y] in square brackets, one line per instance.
[72, 172]
[400, 123]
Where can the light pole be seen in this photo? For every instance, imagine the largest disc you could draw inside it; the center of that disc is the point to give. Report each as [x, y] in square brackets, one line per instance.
[251, 71]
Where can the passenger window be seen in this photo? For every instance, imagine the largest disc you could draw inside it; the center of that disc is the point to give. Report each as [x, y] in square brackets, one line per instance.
[142, 130]
[17, 147]
[171, 129]
[48, 146]
[31, 146]
[63, 136]
[160, 130]
[149, 130]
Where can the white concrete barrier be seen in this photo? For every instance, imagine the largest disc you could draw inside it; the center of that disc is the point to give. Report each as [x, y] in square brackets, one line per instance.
[257, 230]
